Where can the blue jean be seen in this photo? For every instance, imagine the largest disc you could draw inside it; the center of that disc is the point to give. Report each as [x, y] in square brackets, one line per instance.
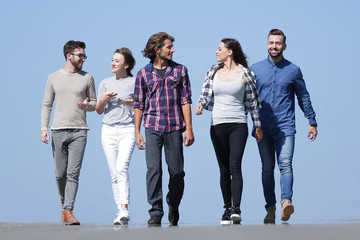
[68, 150]
[284, 150]
[172, 143]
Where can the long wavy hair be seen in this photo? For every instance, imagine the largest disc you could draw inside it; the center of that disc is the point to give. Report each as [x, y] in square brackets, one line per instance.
[238, 54]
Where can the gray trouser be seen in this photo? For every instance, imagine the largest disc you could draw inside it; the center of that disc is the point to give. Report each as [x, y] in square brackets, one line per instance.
[172, 142]
[68, 150]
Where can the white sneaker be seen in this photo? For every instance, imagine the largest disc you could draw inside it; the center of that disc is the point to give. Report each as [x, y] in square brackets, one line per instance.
[122, 217]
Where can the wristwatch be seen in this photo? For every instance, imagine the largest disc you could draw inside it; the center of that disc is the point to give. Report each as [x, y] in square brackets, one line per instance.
[314, 125]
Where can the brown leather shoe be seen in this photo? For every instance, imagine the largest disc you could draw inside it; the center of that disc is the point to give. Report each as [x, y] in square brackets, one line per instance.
[270, 216]
[69, 219]
[287, 210]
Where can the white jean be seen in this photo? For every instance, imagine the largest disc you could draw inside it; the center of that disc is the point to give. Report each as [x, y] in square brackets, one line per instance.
[118, 141]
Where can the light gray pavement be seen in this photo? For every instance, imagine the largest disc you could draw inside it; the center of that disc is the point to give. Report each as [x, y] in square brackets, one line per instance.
[38, 231]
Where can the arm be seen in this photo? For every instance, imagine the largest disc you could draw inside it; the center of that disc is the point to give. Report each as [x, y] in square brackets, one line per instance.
[105, 97]
[90, 101]
[304, 101]
[140, 143]
[47, 105]
[186, 108]
[188, 135]
[139, 105]
[206, 99]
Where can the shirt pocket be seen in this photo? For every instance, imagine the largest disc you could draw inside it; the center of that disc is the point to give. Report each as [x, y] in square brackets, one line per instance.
[152, 85]
[173, 82]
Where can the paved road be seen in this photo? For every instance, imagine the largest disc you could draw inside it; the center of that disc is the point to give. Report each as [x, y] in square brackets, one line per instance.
[338, 231]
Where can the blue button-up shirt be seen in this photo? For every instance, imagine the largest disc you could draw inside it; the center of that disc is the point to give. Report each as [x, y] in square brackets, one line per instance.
[277, 85]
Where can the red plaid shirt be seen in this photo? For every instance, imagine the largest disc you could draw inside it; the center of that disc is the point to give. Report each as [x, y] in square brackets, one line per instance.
[161, 99]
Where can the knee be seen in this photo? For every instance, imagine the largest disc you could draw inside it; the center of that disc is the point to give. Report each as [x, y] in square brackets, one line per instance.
[285, 166]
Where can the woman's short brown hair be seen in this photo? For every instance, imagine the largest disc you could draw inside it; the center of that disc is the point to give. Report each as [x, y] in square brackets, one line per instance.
[129, 59]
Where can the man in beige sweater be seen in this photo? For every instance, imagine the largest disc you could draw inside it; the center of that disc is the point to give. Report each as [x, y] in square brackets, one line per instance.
[73, 91]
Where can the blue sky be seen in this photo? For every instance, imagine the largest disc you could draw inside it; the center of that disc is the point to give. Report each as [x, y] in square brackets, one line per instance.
[322, 39]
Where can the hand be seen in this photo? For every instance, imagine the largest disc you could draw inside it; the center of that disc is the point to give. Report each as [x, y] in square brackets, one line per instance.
[312, 133]
[198, 109]
[83, 105]
[140, 143]
[188, 138]
[45, 136]
[258, 134]
[129, 102]
[105, 97]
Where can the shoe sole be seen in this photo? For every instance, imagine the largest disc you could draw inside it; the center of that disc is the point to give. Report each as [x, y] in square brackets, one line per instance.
[286, 212]
[70, 224]
[226, 222]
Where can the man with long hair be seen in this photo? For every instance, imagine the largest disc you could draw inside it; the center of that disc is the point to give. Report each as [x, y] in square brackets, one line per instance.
[162, 97]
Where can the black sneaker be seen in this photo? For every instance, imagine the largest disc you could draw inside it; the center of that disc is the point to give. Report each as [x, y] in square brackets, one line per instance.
[235, 215]
[173, 216]
[154, 221]
[225, 219]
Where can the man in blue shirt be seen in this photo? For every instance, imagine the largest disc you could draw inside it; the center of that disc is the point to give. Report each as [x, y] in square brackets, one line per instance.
[278, 81]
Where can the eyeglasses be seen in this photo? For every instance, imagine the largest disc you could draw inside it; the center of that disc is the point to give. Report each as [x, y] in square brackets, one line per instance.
[82, 56]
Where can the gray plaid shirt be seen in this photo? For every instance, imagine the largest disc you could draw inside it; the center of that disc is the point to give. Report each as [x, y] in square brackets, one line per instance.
[251, 97]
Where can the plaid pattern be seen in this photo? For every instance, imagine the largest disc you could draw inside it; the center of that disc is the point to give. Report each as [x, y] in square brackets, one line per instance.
[161, 99]
[251, 97]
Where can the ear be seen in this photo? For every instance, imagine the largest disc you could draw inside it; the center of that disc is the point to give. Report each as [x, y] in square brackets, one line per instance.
[284, 47]
[126, 66]
[230, 52]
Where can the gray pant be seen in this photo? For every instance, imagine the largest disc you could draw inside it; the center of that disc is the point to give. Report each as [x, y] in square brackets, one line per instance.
[172, 142]
[68, 150]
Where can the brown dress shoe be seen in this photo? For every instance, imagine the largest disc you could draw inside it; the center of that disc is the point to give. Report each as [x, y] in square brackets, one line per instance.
[287, 210]
[69, 219]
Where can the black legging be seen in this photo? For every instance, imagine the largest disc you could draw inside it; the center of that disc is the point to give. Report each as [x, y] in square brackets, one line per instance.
[229, 140]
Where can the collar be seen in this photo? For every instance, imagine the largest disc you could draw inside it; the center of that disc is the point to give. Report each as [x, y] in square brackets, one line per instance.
[276, 64]
[150, 67]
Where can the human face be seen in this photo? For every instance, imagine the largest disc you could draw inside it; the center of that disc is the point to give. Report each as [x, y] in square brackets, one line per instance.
[166, 52]
[222, 53]
[118, 64]
[76, 61]
[276, 46]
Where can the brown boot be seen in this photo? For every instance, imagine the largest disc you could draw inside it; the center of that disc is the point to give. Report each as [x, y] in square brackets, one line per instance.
[287, 210]
[69, 219]
[270, 216]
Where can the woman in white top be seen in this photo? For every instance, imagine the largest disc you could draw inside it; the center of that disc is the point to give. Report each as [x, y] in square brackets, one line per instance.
[118, 130]
[229, 91]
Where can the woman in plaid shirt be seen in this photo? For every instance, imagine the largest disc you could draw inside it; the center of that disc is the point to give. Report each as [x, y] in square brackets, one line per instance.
[229, 91]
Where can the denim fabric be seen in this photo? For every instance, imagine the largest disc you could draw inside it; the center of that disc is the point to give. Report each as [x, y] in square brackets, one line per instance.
[277, 85]
[172, 143]
[118, 141]
[68, 150]
[284, 150]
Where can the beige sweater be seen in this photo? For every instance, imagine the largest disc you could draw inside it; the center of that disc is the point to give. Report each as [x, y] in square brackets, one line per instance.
[67, 90]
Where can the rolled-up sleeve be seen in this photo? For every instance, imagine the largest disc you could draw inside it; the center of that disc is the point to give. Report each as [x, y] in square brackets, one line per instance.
[139, 90]
[186, 87]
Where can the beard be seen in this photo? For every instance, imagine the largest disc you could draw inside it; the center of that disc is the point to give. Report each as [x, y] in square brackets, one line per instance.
[276, 55]
[76, 65]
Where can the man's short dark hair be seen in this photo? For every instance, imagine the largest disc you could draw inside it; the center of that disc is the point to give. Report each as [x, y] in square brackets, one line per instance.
[276, 31]
[156, 41]
[71, 45]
